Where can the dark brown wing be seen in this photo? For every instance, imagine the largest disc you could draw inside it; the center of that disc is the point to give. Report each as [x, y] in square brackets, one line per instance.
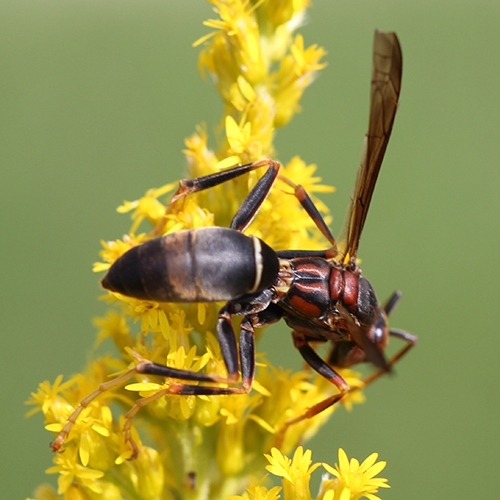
[385, 88]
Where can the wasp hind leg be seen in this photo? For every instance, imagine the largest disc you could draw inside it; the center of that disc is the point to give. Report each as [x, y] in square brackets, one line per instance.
[250, 205]
[254, 200]
[146, 367]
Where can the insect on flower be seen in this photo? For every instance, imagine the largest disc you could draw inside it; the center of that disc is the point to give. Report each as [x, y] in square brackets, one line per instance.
[321, 295]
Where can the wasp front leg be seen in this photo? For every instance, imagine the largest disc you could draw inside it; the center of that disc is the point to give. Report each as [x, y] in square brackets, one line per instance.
[409, 338]
[320, 366]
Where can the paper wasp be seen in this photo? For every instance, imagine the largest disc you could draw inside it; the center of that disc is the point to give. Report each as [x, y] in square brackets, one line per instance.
[321, 295]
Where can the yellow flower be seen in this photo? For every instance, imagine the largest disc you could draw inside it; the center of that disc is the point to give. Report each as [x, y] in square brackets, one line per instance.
[47, 399]
[148, 474]
[297, 71]
[234, 47]
[354, 480]
[258, 492]
[148, 207]
[260, 74]
[70, 470]
[200, 159]
[296, 472]
[114, 326]
[114, 249]
[45, 492]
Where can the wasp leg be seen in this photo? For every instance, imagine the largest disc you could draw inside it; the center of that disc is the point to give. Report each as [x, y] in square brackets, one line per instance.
[254, 200]
[143, 367]
[294, 254]
[228, 346]
[392, 302]
[127, 426]
[229, 351]
[256, 312]
[319, 365]
[247, 355]
[189, 186]
[106, 386]
[410, 340]
[311, 209]
[172, 389]
[251, 203]
[179, 390]
[227, 343]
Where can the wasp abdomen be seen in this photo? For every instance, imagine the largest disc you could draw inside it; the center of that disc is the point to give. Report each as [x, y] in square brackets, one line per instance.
[200, 265]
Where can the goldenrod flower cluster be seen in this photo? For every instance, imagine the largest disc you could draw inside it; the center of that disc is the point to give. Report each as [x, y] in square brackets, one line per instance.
[201, 447]
[351, 480]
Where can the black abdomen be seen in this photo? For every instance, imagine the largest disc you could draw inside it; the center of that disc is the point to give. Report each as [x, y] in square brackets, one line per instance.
[200, 265]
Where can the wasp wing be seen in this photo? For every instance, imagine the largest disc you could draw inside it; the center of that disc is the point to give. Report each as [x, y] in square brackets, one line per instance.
[385, 88]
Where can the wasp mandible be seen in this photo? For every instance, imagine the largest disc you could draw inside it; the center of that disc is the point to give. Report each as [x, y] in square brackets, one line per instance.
[321, 295]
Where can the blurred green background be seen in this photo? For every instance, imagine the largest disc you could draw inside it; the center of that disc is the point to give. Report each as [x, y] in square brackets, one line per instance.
[96, 100]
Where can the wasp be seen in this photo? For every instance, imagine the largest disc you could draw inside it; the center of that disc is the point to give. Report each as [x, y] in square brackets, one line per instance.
[321, 295]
